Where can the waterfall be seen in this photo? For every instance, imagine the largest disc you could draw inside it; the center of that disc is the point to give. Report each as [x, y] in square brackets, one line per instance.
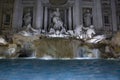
[86, 53]
[27, 50]
[96, 53]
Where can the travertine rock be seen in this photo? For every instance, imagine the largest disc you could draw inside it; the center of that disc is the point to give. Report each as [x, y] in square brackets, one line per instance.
[116, 39]
[19, 39]
[55, 47]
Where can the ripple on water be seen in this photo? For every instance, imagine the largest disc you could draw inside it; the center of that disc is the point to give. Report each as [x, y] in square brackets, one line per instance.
[37, 69]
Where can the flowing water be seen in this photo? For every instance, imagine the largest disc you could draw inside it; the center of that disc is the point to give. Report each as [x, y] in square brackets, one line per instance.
[37, 69]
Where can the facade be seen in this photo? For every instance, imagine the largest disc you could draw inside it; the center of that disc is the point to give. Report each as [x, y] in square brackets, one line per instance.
[103, 14]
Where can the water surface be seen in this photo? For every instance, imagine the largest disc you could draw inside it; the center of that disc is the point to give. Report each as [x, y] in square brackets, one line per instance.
[36, 69]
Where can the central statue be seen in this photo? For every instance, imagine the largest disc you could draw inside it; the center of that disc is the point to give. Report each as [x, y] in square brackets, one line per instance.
[58, 24]
[57, 27]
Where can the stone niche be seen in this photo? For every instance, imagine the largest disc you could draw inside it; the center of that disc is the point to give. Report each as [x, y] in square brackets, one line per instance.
[66, 13]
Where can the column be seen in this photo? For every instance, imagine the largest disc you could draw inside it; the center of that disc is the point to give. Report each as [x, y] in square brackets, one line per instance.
[80, 12]
[39, 14]
[45, 18]
[70, 18]
[17, 16]
[76, 13]
[65, 15]
[114, 17]
[0, 14]
[97, 15]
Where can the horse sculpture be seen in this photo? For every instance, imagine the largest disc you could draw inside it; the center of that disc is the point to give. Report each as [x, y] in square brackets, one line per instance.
[84, 33]
[90, 32]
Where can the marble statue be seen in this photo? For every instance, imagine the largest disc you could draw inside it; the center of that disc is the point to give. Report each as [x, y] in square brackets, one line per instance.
[3, 41]
[52, 31]
[70, 32]
[29, 31]
[90, 31]
[87, 18]
[58, 24]
[63, 31]
[57, 28]
[27, 18]
[84, 32]
[78, 31]
[56, 13]
[96, 39]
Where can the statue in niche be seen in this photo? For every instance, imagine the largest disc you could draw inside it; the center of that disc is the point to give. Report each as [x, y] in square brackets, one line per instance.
[27, 18]
[58, 24]
[87, 18]
[28, 27]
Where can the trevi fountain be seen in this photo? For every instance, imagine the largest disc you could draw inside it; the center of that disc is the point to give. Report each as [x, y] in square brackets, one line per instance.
[59, 40]
[58, 43]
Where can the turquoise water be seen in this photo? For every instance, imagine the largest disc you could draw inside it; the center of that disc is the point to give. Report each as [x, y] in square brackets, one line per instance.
[36, 69]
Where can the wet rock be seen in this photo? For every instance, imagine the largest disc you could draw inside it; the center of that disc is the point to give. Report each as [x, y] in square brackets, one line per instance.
[8, 51]
[19, 39]
[27, 50]
[115, 45]
[41, 46]
[116, 39]
[54, 47]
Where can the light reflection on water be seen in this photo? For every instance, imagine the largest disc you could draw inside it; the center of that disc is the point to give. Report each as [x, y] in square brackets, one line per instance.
[36, 69]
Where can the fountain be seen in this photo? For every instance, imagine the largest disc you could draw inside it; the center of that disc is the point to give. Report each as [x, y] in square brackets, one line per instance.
[57, 43]
[55, 46]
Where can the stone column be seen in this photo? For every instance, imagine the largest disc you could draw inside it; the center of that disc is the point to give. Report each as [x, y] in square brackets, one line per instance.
[39, 14]
[114, 16]
[65, 21]
[80, 12]
[76, 13]
[65, 16]
[0, 13]
[70, 18]
[17, 15]
[45, 18]
[97, 15]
